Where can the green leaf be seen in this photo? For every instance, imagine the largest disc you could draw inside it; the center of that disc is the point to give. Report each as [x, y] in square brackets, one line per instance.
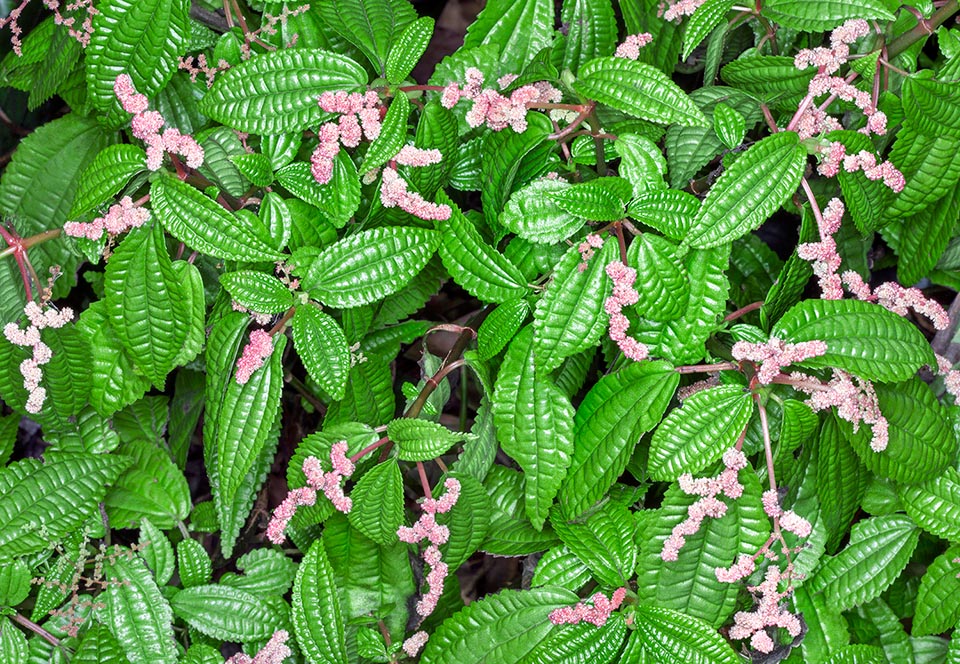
[468, 521]
[500, 326]
[142, 38]
[156, 551]
[421, 440]
[267, 573]
[497, 628]
[14, 582]
[322, 345]
[369, 398]
[67, 375]
[136, 612]
[933, 106]
[570, 317]
[146, 302]
[368, 266]
[604, 542]
[41, 503]
[698, 433]
[202, 224]
[501, 156]
[13, 644]
[407, 48]
[862, 338]
[193, 563]
[436, 129]
[893, 639]
[937, 608]
[106, 176]
[535, 214]
[255, 167]
[824, 15]
[729, 125]
[227, 613]
[880, 548]
[749, 191]
[671, 636]
[602, 199]
[151, 487]
[841, 480]
[620, 408]
[592, 31]
[392, 137]
[317, 615]
[220, 145]
[931, 166]
[925, 236]
[559, 566]
[639, 90]
[703, 21]
[534, 425]
[475, 265]
[865, 199]
[661, 278]
[519, 29]
[276, 92]
[826, 628]
[378, 502]
[581, 643]
[935, 504]
[338, 199]
[99, 646]
[257, 291]
[370, 25]
[669, 211]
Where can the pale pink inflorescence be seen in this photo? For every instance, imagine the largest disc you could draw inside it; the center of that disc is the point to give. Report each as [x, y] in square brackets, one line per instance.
[394, 192]
[274, 652]
[951, 376]
[81, 33]
[768, 613]
[494, 109]
[146, 126]
[413, 645]
[708, 505]
[623, 295]
[776, 354]
[196, 66]
[427, 529]
[119, 218]
[597, 614]
[630, 48]
[359, 119]
[30, 338]
[590, 242]
[855, 400]
[258, 349]
[789, 520]
[318, 481]
[681, 8]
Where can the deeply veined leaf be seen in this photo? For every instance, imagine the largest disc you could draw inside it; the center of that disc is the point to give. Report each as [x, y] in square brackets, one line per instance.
[338, 199]
[826, 628]
[267, 573]
[276, 92]
[824, 14]
[581, 642]
[195, 307]
[519, 30]
[202, 224]
[370, 25]
[436, 130]
[421, 440]
[559, 566]
[220, 145]
[474, 264]
[934, 106]
[322, 346]
[592, 31]
[378, 502]
[255, 167]
[893, 639]
[67, 375]
[257, 291]
[368, 266]
[602, 199]
[151, 487]
[729, 125]
[662, 282]
[137, 613]
[570, 317]
[227, 613]
[672, 636]
[937, 608]
[880, 547]
[604, 542]
[497, 628]
[500, 326]
[141, 38]
[929, 163]
[535, 215]
[862, 338]
[145, 301]
[106, 175]
[840, 480]
[669, 211]
[706, 17]
[13, 644]
[639, 90]
[748, 192]
[641, 163]
[98, 646]
[393, 135]
[468, 521]
[699, 432]
[619, 409]
[407, 48]
[935, 504]
[510, 533]
[316, 612]
[193, 563]
[925, 236]
[865, 199]
[502, 155]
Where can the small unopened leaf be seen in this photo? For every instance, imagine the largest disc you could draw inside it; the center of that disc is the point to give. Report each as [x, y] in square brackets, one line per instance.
[378, 503]
[422, 440]
[729, 124]
[393, 135]
[603, 199]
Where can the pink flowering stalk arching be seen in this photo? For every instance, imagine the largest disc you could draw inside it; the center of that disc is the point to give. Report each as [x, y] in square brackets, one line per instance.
[776, 354]
[624, 295]
[274, 652]
[119, 218]
[597, 613]
[494, 109]
[29, 337]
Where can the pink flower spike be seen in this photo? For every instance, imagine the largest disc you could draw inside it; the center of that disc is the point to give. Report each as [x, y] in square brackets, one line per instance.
[301, 497]
[274, 652]
[630, 48]
[597, 615]
[414, 156]
[413, 645]
[394, 193]
[259, 348]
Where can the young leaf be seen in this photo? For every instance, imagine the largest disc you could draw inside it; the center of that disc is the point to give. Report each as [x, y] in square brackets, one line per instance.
[393, 135]
[276, 92]
[669, 211]
[378, 503]
[255, 167]
[500, 326]
[156, 551]
[193, 563]
[661, 278]
[338, 199]
[519, 29]
[257, 291]
[406, 50]
[592, 31]
[151, 487]
[322, 345]
[728, 124]
[697, 434]
[106, 175]
[370, 25]
[534, 214]
[227, 613]
[937, 608]
[751, 190]
[421, 440]
[502, 155]
[935, 504]
[368, 266]
[602, 199]
[316, 612]
[604, 542]
[672, 636]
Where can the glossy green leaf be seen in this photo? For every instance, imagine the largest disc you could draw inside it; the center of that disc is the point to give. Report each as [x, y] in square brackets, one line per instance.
[934, 106]
[824, 14]
[257, 291]
[202, 224]
[602, 199]
[931, 166]
[570, 317]
[317, 614]
[13, 644]
[669, 211]
[671, 636]
[338, 199]
[137, 614]
[619, 409]
[474, 264]
[255, 167]
[322, 346]
[193, 563]
[729, 125]
[468, 521]
[369, 397]
[436, 130]
[581, 642]
[14, 582]
[99, 646]
[497, 628]
[392, 137]
[924, 238]
[370, 25]
[879, 549]
[534, 425]
[937, 607]
[893, 639]
[407, 49]
[559, 566]
[865, 199]
[267, 573]
[534, 214]
[662, 282]
[106, 176]
[501, 156]
[592, 31]
[703, 21]
[421, 440]
[369, 265]
[276, 92]
[156, 551]
[861, 337]
[749, 191]
[519, 30]
[227, 613]
[500, 326]
[841, 480]
[935, 504]
[151, 487]
[604, 542]
[826, 628]
[698, 433]
[641, 162]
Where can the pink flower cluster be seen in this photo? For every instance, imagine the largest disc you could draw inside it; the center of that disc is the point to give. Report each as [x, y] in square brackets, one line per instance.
[196, 66]
[752, 624]
[494, 109]
[708, 488]
[258, 349]
[826, 260]
[146, 126]
[630, 48]
[855, 401]
[891, 295]
[624, 294]
[597, 615]
[776, 354]
[413, 645]
[741, 569]
[274, 652]
[789, 520]
[682, 8]
[318, 481]
[427, 528]
[951, 377]
[81, 34]
[836, 154]
[119, 218]
[591, 242]
[360, 117]
[394, 192]
[30, 338]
